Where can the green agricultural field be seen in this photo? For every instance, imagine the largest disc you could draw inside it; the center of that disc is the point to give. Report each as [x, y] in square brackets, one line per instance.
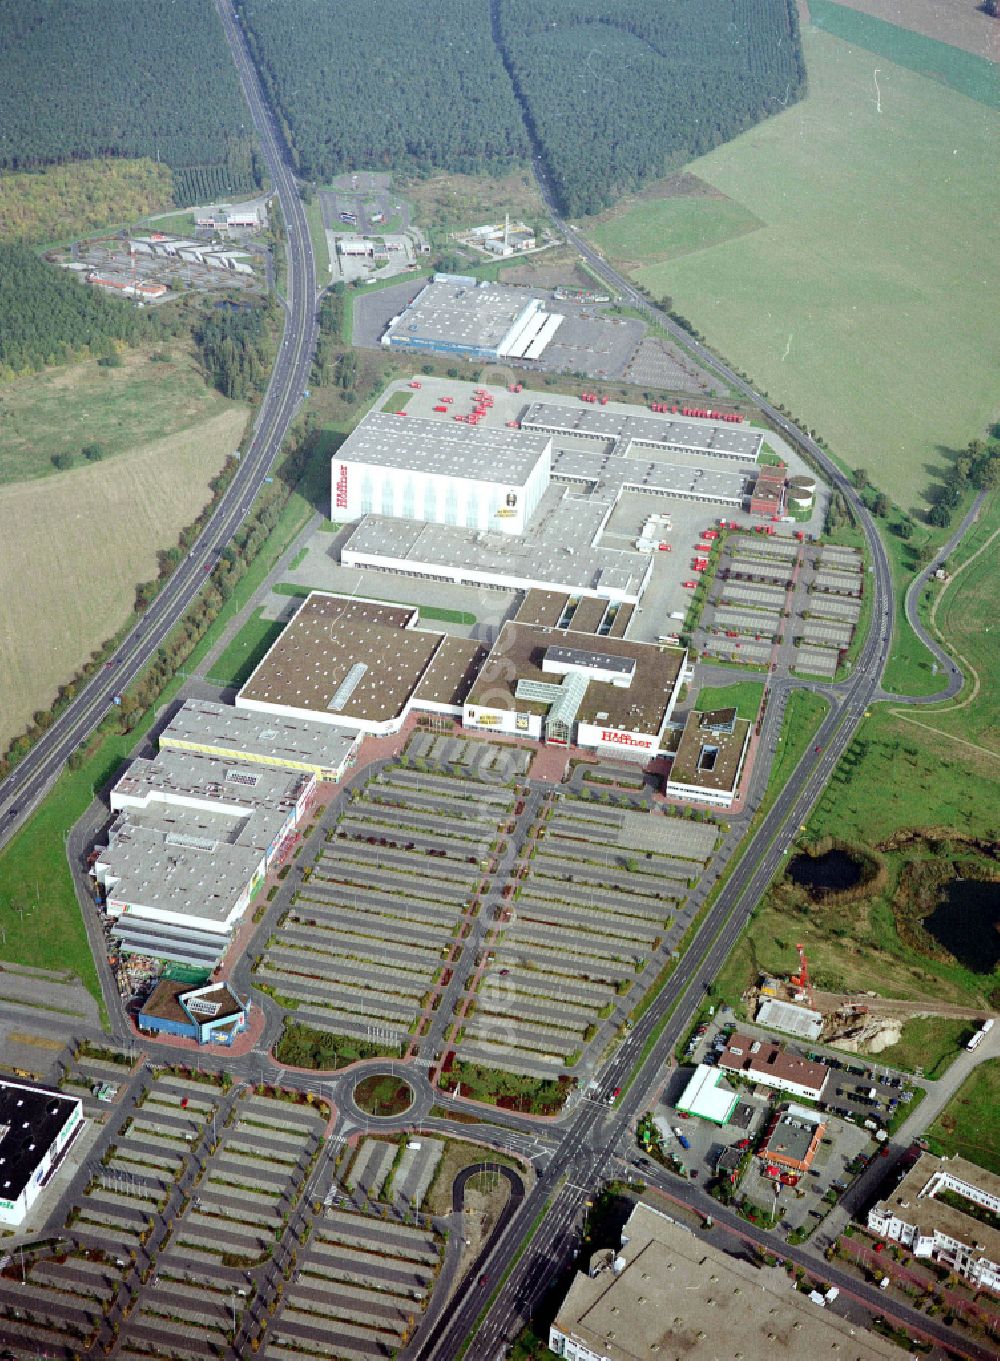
[866, 304]
[928, 1043]
[963, 71]
[744, 697]
[898, 775]
[654, 230]
[968, 1124]
[64, 409]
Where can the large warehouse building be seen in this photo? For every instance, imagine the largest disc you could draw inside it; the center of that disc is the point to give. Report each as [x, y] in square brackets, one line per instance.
[192, 842]
[457, 314]
[360, 665]
[440, 474]
[668, 1294]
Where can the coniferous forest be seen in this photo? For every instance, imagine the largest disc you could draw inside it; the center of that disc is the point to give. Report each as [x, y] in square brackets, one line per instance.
[47, 316]
[385, 83]
[614, 95]
[143, 79]
[621, 94]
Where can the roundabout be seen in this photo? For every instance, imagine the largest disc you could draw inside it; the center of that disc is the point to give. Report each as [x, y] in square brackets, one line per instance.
[383, 1096]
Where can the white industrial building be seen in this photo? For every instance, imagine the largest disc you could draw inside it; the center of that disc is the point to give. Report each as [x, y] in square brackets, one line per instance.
[457, 314]
[36, 1126]
[416, 469]
[323, 749]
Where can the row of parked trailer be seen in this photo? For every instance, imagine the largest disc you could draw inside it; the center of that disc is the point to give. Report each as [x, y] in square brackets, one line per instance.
[665, 409]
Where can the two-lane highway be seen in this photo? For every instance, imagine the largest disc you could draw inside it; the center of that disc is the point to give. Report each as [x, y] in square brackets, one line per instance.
[27, 784]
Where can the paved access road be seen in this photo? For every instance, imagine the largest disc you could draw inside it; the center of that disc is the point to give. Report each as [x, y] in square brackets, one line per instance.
[25, 787]
[954, 680]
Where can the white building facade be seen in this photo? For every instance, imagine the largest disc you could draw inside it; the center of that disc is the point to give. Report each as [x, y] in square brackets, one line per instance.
[940, 1232]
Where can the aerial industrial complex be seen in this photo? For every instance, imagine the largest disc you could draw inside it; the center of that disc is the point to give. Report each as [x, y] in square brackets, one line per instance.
[666, 1292]
[569, 510]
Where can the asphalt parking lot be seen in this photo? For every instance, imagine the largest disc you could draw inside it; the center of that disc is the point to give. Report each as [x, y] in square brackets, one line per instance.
[368, 936]
[600, 894]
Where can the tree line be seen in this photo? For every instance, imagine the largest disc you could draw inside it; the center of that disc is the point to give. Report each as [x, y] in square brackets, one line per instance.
[379, 84]
[616, 96]
[146, 79]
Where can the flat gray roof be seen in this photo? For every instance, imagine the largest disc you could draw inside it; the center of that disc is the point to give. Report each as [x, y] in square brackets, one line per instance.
[708, 437]
[603, 661]
[538, 557]
[486, 453]
[677, 1295]
[228, 784]
[163, 871]
[610, 471]
[269, 738]
[456, 308]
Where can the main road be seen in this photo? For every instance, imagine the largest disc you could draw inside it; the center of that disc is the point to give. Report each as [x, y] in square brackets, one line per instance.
[27, 784]
[545, 1223]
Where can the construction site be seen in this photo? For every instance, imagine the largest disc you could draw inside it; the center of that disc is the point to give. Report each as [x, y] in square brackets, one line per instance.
[864, 1023]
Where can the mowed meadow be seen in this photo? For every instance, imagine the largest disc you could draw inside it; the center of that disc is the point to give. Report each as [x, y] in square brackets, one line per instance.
[843, 255]
[75, 544]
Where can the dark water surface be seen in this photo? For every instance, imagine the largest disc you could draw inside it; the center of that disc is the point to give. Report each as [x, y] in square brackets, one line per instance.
[967, 923]
[835, 870]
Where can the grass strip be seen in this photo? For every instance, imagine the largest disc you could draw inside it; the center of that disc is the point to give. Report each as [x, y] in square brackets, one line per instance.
[426, 611]
[240, 658]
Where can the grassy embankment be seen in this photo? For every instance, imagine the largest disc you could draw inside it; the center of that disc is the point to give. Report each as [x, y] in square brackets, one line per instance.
[743, 696]
[962, 613]
[968, 1125]
[157, 391]
[321, 247]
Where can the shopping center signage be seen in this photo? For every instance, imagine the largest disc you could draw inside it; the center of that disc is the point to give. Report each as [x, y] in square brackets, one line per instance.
[624, 739]
[340, 489]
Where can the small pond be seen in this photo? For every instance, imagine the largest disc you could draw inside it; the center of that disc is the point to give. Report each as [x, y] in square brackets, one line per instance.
[224, 305]
[832, 872]
[967, 923]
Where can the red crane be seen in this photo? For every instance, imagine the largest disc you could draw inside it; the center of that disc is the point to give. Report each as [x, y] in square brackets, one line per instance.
[801, 979]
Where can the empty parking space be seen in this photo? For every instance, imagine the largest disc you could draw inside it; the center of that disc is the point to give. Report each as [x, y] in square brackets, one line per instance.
[359, 1279]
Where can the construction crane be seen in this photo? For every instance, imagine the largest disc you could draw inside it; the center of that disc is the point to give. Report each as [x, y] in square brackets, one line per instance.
[801, 979]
